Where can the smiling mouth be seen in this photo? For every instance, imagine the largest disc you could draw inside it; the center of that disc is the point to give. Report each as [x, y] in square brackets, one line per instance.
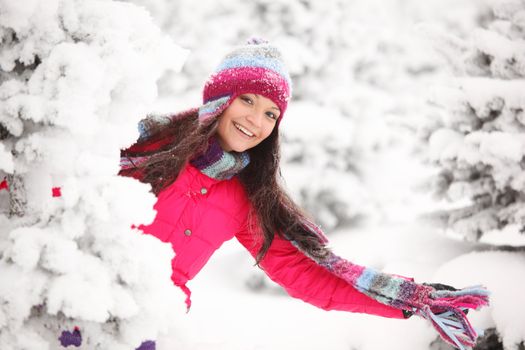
[243, 130]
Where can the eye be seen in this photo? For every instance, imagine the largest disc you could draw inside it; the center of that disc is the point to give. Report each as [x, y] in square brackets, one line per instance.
[247, 99]
[272, 115]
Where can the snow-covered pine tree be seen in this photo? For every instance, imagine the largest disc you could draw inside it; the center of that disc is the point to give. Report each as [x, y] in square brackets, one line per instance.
[76, 76]
[479, 143]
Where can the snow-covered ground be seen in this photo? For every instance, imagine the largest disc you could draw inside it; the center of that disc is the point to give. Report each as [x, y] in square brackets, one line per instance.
[227, 315]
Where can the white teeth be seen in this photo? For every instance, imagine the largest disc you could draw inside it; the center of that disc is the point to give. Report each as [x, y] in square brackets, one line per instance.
[243, 129]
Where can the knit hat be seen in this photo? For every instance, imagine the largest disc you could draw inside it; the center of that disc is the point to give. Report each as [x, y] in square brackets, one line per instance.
[257, 68]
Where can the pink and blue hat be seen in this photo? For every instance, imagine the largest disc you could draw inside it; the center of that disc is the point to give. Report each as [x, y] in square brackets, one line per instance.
[257, 68]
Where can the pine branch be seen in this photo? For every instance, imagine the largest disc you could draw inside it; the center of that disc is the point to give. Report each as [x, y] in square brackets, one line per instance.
[17, 195]
[4, 133]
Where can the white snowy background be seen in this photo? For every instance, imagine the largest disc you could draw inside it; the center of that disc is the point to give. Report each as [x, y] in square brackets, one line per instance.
[373, 82]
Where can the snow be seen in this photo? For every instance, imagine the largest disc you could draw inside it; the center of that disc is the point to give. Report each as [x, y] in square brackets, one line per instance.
[72, 73]
[479, 90]
[497, 145]
[6, 159]
[510, 235]
[227, 315]
[485, 40]
[444, 144]
[361, 71]
[498, 271]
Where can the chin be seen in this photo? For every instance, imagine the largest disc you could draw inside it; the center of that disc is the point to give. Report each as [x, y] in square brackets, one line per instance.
[238, 145]
[240, 148]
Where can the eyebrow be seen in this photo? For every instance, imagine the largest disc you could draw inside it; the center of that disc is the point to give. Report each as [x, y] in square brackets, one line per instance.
[257, 97]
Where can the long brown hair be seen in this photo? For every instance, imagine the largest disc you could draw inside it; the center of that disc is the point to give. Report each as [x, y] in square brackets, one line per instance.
[183, 136]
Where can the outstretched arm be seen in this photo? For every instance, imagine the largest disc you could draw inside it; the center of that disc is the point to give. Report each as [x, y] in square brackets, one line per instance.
[304, 279]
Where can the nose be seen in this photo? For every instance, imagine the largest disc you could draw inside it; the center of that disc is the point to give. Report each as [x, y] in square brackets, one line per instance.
[255, 117]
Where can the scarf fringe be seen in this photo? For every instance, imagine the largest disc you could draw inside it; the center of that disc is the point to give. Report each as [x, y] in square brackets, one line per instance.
[448, 314]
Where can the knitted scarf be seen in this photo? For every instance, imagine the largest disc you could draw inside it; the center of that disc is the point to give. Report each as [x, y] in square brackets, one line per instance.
[445, 309]
[213, 162]
[219, 164]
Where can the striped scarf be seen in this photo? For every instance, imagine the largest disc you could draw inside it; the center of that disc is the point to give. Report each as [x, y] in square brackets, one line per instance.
[219, 164]
[445, 309]
[213, 162]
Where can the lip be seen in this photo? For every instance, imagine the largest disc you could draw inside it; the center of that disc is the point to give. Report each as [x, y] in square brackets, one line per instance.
[243, 134]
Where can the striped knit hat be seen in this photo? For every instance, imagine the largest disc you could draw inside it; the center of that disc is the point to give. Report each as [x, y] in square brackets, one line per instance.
[257, 68]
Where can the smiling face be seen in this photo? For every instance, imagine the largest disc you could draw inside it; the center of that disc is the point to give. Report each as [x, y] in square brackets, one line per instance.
[247, 121]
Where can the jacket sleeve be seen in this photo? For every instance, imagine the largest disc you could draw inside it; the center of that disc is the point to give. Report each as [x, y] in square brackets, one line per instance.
[304, 279]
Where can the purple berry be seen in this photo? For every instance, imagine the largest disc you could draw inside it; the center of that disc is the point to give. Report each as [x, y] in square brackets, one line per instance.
[147, 345]
[68, 338]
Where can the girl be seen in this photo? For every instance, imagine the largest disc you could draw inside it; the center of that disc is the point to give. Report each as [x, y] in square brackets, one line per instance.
[215, 172]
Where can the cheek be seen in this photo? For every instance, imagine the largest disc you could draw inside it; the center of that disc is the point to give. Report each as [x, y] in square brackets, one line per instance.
[222, 134]
[268, 130]
[222, 126]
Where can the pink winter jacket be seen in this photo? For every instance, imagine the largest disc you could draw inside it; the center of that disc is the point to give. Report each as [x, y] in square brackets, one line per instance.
[197, 214]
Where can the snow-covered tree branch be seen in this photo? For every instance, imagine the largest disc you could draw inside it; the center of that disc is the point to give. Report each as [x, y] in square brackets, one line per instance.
[76, 77]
